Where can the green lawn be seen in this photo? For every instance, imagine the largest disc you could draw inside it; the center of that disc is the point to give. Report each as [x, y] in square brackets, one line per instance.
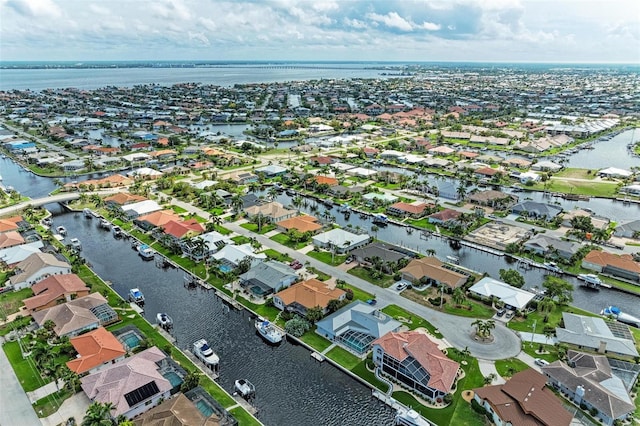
[593, 189]
[343, 357]
[361, 371]
[316, 341]
[478, 310]
[359, 294]
[285, 241]
[222, 230]
[241, 239]
[48, 405]
[321, 276]
[522, 324]
[574, 173]
[12, 301]
[325, 256]
[25, 371]
[508, 367]
[254, 227]
[410, 320]
[243, 417]
[530, 349]
[276, 255]
[178, 209]
[365, 274]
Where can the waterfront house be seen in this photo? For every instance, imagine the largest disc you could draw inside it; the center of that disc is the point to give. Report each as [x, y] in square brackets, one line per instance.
[121, 199]
[156, 219]
[546, 166]
[623, 266]
[303, 223]
[387, 254]
[213, 241]
[523, 400]
[550, 246]
[10, 224]
[272, 170]
[447, 189]
[10, 239]
[242, 178]
[140, 208]
[628, 230]
[177, 231]
[265, 278]
[415, 210]
[597, 221]
[492, 198]
[35, 268]
[181, 411]
[355, 326]
[512, 297]
[594, 384]
[373, 198]
[306, 295]
[230, 256]
[272, 212]
[96, 350]
[133, 385]
[145, 173]
[446, 217]
[340, 240]
[535, 210]
[325, 180]
[54, 290]
[412, 359]
[612, 173]
[78, 315]
[431, 271]
[596, 335]
[13, 255]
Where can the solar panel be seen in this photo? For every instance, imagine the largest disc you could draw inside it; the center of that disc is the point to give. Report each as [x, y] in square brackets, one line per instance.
[142, 393]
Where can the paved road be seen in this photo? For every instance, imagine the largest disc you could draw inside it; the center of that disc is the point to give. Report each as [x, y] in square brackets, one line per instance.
[15, 408]
[48, 144]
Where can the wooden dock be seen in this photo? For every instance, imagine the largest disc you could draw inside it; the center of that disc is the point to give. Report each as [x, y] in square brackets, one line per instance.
[224, 296]
[198, 363]
[244, 404]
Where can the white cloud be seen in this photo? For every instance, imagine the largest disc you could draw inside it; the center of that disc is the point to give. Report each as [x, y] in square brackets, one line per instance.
[431, 26]
[392, 20]
[355, 23]
[35, 8]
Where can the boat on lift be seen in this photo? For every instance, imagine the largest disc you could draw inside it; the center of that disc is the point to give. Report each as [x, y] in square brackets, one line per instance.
[164, 320]
[204, 353]
[76, 244]
[136, 296]
[146, 252]
[380, 219]
[61, 230]
[616, 313]
[244, 388]
[590, 280]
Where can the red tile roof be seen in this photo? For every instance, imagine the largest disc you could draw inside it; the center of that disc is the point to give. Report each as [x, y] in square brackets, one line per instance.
[604, 258]
[95, 348]
[53, 287]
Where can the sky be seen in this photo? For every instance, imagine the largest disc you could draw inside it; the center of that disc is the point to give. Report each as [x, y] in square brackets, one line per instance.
[329, 30]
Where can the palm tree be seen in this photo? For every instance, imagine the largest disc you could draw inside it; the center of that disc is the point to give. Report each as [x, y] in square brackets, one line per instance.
[461, 191]
[97, 200]
[375, 230]
[458, 296]
[273, 193]
[199, 248]
[546, 305]
[236, 203]
[98, 414]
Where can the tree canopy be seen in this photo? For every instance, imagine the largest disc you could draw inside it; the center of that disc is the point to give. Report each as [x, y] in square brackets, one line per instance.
[512, 277]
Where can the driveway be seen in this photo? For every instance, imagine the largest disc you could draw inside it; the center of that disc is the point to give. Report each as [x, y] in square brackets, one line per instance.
[457, 331]
[15, 408]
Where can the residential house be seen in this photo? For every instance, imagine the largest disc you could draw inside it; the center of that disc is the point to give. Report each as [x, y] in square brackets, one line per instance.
[512, 297]
[598, 222]
[325, 180]
[96, 349]
[230, 256]
[523, 400]
[213, 242]
[304, 223]
[10, 224]
[492, 198]
[597, 335]
[592, 382]
[133, 385]
[431, 271]
[267, 277]
[545, 245]
[622, 266]
[120, 199]
[140, 208]
[415, 210]
[242, 178]
[10, 239]
[13, 255]
[546, 166]
[446, 217]
[272, 212]
[272, 170]
[340, 240]
[306, 295]
[356, 326]
[78, 315]
[628, 230]
[387, 254]
[181, 411]
[156, 219]
[37, 267]
[383, 198]
[535, 210]
[54, 290]
[179, 231]
[615, 173]
[412, 359]
[447, 189]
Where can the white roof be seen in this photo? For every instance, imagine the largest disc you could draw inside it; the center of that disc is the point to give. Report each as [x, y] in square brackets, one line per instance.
[339, 236]
[360, 171]
[510, 295]
[205, 183]
[144, 171]
[15, 254]
[142, 207]
[136, 156]
[235, 254]
[616, 172]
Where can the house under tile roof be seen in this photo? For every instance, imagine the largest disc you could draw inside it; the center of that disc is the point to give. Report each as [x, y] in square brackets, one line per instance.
[73, 316]
[181, 228]
[53, 287]
[304, 223]
[177, 411]
[160, 218]
[95, 348]
[10, 239]
[432, 267]
[310, 293]
[122, 198]
[35, 263]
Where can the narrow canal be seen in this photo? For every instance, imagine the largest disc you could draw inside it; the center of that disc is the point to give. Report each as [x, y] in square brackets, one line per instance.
[291, 388]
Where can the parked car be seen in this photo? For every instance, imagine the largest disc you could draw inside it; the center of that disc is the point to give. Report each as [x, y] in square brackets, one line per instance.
[500, 312]
[297, 266]
[348, 260]
[541, 362]
[509, 315]
[372, 301]
[400, 286]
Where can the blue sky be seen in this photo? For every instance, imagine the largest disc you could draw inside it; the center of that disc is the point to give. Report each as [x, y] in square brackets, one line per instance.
[400, 30]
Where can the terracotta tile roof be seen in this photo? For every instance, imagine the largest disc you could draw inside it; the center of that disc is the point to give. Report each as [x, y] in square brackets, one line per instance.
[412, 208]
[10, 224]
[71, 316]
[604, 258]
[326, 180]
[52, 288]
[446, 215]
[442, 370]
[178, 411]
[122, 198]
[487, 171]
[10, 239]
[160, 218]
[162, 152]
[304, 223]
[525, 400]
[95, 348]
[310, 293]
[179, 229]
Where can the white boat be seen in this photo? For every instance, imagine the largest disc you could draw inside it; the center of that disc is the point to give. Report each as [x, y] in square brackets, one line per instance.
[136, 296]
[164, 320]
[590, 280]
[553, 267]
[104, 223]
[145, 252]
[203, 351]
[61, 230]
[76, 244]
[268, 331]
[453, 259]
[409, 417]
[615, 312]
[380, 219]
[116, 231]
[244, 388]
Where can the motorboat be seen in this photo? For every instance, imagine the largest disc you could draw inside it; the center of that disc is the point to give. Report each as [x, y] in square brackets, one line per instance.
[204, 353]
[164, 320]
[116, 231]
[590, 280]
[453, 259]
[380, 219]
[615, 312]
[409, 417]
[61, 230]
[136, 296]
[46, 221]
[104, 224]
[145, 252]
[87, 213]
[244, 388]
[268, 331]
[76, 244]
[553, 267]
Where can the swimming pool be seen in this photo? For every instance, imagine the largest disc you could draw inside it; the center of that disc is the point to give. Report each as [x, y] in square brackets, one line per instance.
[225, 268]
[131, 339]
[204, 408]
[173, 378]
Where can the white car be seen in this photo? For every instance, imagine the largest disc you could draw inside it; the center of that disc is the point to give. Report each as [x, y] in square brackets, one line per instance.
[400, 286]
[541, 362]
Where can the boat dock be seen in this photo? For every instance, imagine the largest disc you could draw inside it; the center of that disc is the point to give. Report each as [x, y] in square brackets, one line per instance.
[137, 308]
[317, 356]
[225, 297]
[244, 404]
[198, 363]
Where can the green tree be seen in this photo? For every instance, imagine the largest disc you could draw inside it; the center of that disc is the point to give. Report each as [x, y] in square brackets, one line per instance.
[191, 380]
[512, 277]
[458, 296]
[98, 414]
[314, 314]
[333, 305]
[297, 326]
[558, 289]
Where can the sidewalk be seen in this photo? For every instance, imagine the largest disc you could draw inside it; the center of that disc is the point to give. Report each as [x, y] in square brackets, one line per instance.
[15, 408]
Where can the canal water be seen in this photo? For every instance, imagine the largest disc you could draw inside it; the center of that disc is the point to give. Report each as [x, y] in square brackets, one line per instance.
[291, 387]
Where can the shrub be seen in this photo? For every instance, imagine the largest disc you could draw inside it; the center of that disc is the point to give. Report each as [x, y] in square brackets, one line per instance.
[349, 294]
[397, 277]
